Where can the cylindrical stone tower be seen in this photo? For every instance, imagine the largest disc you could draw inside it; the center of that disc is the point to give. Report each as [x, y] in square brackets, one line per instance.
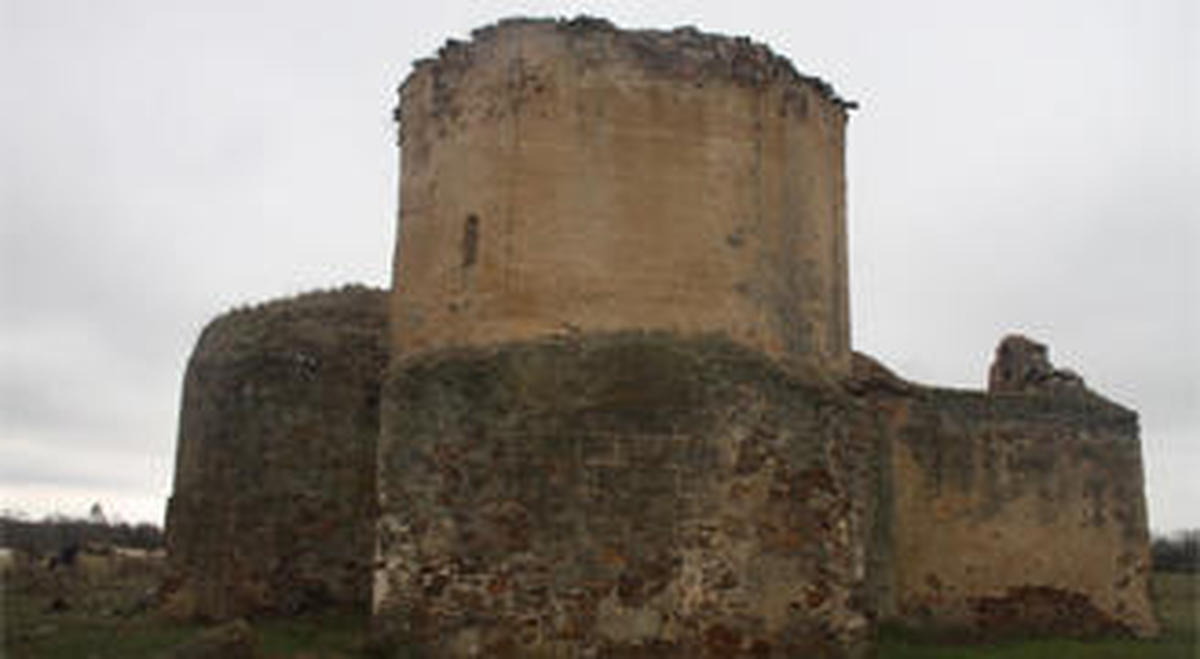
[608, 427]
[564, 177]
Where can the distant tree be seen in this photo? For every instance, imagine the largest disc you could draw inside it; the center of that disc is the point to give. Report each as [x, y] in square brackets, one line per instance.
[146, 536]
[55, 532]
[1178, 552]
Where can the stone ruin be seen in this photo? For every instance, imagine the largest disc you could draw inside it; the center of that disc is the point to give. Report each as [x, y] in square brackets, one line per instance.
[613, 409]
[1023, 365]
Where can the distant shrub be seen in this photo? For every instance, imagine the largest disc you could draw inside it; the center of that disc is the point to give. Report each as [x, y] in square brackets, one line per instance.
[53, 534]
[1178, 552]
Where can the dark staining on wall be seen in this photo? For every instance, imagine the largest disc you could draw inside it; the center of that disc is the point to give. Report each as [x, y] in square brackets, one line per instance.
[1044, 611]
[273, 508]
[636, 483]
[1058, 462]
[959, 437]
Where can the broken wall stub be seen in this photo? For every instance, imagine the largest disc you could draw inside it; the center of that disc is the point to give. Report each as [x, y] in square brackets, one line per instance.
[273, 506]
[622, 495]
[1023, 365]
[567, 176]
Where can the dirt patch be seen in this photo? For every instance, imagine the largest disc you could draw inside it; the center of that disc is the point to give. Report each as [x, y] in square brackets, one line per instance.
[1043, 611]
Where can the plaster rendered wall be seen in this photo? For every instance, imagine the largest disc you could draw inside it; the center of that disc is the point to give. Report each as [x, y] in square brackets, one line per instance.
[273, 506]
[563, 177]
[620, 495]
[1018, 512]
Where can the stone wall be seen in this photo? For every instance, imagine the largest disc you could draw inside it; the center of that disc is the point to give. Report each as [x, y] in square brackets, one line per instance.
[1010, 512]
[563, 177]
[620, 415]
[623, 495]
[273, 506]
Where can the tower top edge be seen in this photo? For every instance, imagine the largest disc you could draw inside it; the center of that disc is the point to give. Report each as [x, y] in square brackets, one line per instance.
[682, 48]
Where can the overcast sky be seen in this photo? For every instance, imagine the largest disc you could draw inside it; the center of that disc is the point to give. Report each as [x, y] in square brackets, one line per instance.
[1026, 165]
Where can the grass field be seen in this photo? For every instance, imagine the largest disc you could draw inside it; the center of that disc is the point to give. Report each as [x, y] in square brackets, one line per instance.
[100, 609]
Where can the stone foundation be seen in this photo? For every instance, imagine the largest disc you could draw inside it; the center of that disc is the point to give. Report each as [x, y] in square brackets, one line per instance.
[620, 495]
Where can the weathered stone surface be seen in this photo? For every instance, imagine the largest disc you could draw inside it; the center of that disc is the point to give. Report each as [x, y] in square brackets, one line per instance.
[1011, 512]
[567, 176]
[274, 501]
[625, 494]
[621, 416]
[1022, 364]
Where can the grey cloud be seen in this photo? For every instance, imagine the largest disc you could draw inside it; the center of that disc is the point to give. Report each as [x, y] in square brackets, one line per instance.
[1025, 166]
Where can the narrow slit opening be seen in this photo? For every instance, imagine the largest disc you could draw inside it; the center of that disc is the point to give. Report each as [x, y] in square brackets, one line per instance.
[470, 241]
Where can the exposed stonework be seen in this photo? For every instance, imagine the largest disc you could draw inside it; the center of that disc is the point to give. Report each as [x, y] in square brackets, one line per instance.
[620, 415]
[274, 498]
[620, 494]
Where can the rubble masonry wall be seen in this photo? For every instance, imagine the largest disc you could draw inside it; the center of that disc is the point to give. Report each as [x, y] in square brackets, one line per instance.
[273, 507]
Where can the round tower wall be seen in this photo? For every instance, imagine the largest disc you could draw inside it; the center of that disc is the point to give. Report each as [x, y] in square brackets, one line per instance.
[273, 506]
[569, 177]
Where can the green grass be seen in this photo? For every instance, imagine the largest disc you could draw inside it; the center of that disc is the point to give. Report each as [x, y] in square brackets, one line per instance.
[74, 637]
[105, 617]
[333, 636]
[1048, 649]
[101, 624]
[101, 617]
